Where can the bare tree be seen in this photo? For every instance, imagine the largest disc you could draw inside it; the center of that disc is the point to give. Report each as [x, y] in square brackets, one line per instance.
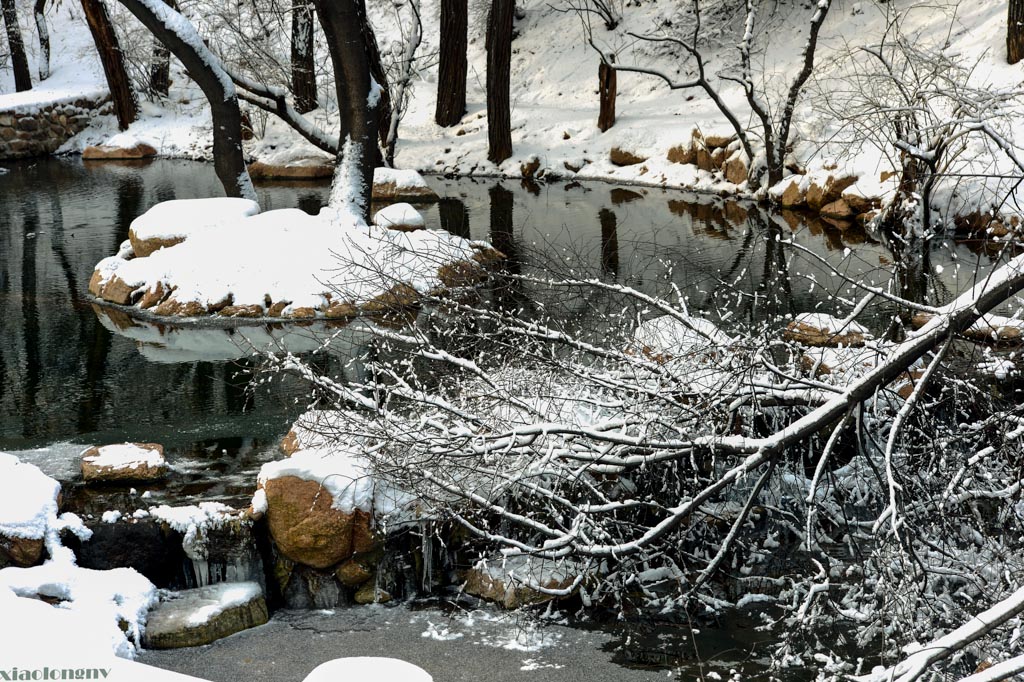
[452, 67]
[403, 71]
[499, 66]
[105, 38]
[160, 65]
[22, 77]
[182, 39]
[1014, 31]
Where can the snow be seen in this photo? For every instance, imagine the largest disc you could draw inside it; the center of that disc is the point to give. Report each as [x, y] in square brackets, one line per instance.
[829, 324]
[401, 179]
[111, 516]
[28, 499]
[201, 605]
[194, 520]
[398, 214]
[365, 667]
[251, 258]
[180, 218]
[126, 456]
[679, 336]
[259, 501]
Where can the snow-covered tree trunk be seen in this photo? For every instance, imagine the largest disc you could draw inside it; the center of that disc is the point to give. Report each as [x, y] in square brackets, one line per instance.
[160, 67]
[452, 63]
[39, 11]
[1015, 31]
[303, 64]
[499, 66]
[182, 39]
[359, 103]
[125, 106]
[22, 77]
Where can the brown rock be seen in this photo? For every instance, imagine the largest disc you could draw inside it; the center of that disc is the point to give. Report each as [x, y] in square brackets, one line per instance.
[810, 335]
[371, 594]
[277, 309]
[108, 153]
[173, 308]
[485, 255]
[704, 161]
[859, 204]
[144, 468]
[388, 191]
[116, 290]
[792, 197]
[153, 296]
[21, 552]
[718, 155]
[818, 196]
[837, 209]
[718, 141]
[303, 313]
[304, 169]
[682, 154]
[353, 573]
[145, 247]
[307, 528]
[461, 274]
[735, 168]
[529, 169]
[398, 297]
[248, 310]
[885, 175]
[290, 443]
[183, 622]
[572, 168]
[622, 157]
[500, 589]
[339, 310]
[95, 283]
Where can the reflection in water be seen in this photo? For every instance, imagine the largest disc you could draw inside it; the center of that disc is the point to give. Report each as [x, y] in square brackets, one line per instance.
[609, 242]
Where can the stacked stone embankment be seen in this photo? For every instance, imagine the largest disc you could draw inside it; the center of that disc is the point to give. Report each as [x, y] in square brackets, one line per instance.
[41, 129]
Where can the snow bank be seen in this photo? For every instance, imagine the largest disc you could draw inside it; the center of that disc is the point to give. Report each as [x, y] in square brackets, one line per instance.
[28, 499]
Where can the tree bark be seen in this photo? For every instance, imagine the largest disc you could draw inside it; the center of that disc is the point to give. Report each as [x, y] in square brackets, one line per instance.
[22, 77]
[44, 39]
[607, 90]
[381, 78]
[125, 106]
[205, 69]
[160, 67]
[359, 103]
[499, 66]
[303, 66]
[1015, 32]
[452, 66]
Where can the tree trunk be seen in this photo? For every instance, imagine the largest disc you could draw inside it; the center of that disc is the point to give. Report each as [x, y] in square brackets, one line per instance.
[499, 66]
[125, 106]
[1015, 32]
[452, 67]
[160, 67]
[44, 39]
[359, 103]
[381, 78]
[205, 69]
[303, 66]
[607, 89]
[22, 77]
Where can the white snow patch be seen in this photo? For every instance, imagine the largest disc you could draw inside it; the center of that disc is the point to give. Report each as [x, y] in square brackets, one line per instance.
[28, 499]
[111, 516]
[126, 456]
[179, 218]
[368, 668]
[398, 214]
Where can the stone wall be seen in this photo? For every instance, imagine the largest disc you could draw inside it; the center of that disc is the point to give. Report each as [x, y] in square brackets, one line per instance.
[41, 129]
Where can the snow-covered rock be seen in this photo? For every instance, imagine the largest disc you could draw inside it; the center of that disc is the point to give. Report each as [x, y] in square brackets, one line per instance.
[124, 462]
[513, 582]
[368, 668]
[28, 504]
[391, 184]
[400, 216]
[171, 222]
[204, 615]
[820, 329]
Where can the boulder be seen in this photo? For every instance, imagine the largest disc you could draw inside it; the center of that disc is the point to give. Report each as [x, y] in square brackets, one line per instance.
[369, 593]
[622, 157]
[507, 585]
[735, 168]
[28, 505]
[859, 204]
[838, 209]
[15, 551]
[308, 529]
[792, 196]
[301, 169]
[249, 310]
[112, 153]
[682, 153]
[704, 160]
[816, 329]
[397, 298]
[819, 195]
[528, 169]
[204, 615]
[399, 216]
[124, 462]
[113, 289]
[145, 247]
[461, 274]
[339, 310]
[390, 184]
[718, 141]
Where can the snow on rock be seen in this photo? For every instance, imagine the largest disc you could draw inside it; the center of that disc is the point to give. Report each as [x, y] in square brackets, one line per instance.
[678, 336]
[390, 184]
[514, 582]
[102, 601]
[124, 462]
[196, 522]
[366, 668]
[819, 329]
[399, 216]
[246, 266]
[204, 615]
[28, 501]
[171, 222]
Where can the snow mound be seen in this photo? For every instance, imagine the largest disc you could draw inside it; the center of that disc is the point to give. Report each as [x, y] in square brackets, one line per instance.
[401, 179]
[28, 499]
[399, 216]
[180, 218]
[679, 336]
[126, 456]
[366, 667]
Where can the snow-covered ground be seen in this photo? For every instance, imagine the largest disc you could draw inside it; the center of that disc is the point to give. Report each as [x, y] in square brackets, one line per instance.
[554, 85]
